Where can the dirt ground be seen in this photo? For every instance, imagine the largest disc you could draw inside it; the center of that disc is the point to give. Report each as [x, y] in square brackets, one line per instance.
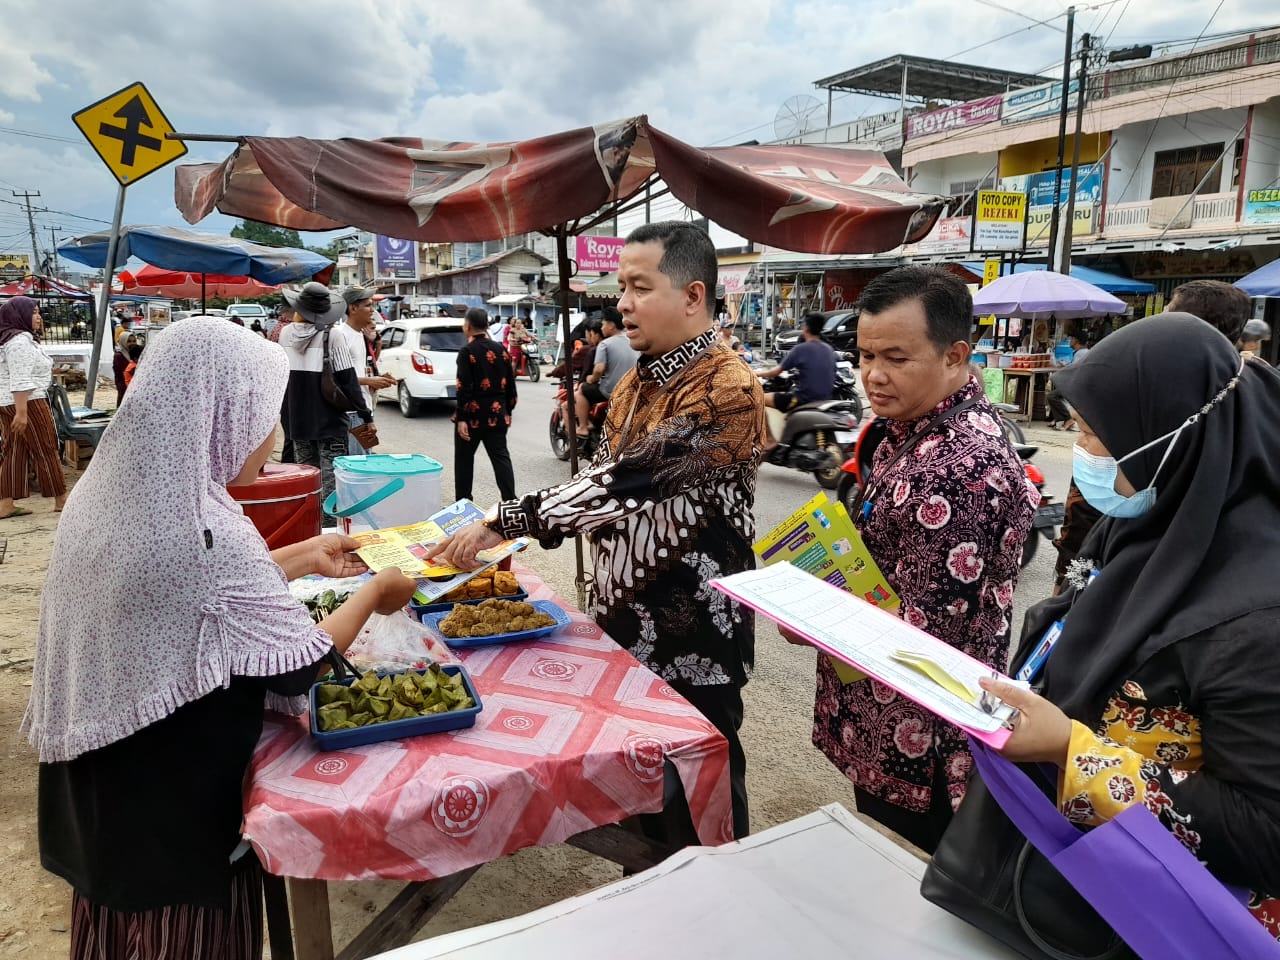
[787, 778]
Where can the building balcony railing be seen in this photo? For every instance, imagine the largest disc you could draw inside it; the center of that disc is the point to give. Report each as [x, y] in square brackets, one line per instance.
[1209, 210]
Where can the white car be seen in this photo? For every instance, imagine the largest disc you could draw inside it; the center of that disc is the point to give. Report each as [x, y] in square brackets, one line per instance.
[421, 353]
[248, 312]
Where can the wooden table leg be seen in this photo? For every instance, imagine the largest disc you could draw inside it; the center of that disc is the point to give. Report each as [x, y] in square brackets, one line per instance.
[309, 904]
[622, 846]
[279, 931]
[404, 916]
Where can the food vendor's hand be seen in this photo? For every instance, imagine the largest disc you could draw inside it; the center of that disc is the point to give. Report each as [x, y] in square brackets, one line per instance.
[393, 590]
[460, 550]
[333, 555]
[1041, 732]
[792, 637]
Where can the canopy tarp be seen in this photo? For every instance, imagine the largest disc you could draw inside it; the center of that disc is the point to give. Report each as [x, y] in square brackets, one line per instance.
[153, 281]
[1263, 282]
[174, 248]
[808, 198]
[1110, 282]
[35, 285]
[1041, 295]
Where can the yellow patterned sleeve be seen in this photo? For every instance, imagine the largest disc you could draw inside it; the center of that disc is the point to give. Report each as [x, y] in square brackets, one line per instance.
[1101, 778]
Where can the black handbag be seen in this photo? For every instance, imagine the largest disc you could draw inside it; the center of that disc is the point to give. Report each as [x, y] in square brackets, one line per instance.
[333, 394]
[988, 874]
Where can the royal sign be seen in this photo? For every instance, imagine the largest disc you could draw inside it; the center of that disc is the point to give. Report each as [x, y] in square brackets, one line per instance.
[599, 253]
[972, 114]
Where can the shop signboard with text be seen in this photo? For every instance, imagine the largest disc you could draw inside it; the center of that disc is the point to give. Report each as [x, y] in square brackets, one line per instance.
[949, 235]
[1039, 186]
[1033, 103]
[1083, 222]
[971, 114]
[599, 254]
[999, 220]
[1262, 206]
[395, 259]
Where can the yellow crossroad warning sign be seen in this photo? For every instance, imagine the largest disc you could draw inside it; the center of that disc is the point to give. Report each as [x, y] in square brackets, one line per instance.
[127, 129]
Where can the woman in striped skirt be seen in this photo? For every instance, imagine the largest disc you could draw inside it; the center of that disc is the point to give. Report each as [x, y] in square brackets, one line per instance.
[26, 423]
[147, 699]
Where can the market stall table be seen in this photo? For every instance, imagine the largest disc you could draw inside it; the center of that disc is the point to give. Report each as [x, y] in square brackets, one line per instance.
[1030, 385]
[575, 737]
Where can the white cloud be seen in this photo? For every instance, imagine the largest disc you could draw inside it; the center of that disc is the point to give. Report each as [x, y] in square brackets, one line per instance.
[703, 70]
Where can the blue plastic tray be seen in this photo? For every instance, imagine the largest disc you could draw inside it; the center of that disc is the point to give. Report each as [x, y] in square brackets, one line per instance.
[396, 729]
[561, 618]
[420, 610]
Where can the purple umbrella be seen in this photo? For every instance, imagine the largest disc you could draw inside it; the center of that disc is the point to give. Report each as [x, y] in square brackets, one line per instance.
[1040, 295]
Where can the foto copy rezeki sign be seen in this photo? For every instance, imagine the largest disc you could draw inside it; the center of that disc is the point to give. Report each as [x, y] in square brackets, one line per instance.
[599, 253]
[395, 259]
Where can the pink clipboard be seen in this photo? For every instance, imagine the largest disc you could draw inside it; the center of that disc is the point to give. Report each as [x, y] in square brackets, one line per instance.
[995, 738]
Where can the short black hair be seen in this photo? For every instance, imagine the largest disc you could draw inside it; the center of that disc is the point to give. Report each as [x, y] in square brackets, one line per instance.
[611, 315]
[947, 303]
[477, 319]
[1224, 307]
[814, 322]
[688, 255]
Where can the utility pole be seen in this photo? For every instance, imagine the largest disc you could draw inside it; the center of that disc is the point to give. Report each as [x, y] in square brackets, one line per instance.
[1086, 46]
[1054, 224]
[31, 222]
[53, 248]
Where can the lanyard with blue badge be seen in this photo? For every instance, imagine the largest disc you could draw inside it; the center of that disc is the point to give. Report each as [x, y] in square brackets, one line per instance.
[1035, 663]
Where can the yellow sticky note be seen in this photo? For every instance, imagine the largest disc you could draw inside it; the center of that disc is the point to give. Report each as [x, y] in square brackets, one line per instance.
[846, 673]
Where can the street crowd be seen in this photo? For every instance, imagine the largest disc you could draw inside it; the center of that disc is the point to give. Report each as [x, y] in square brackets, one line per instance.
[1149, 672]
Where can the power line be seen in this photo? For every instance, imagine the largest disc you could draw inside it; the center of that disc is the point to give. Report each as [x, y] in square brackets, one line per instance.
[1018, 13]
[42, 136]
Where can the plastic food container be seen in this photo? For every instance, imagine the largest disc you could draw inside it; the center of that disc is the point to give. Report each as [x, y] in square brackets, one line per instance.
[420, 610]
[396, 729]
[384, 490]
[561, 618]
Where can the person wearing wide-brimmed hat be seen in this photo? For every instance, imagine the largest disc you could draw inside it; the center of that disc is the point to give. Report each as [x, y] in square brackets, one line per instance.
[319, 428]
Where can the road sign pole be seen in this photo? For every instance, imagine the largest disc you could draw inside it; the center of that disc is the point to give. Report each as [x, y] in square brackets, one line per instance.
[104, 299]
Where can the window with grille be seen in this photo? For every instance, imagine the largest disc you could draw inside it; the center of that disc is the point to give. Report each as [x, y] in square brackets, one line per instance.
[1237, 163]
[964, 195]
[1177, 172]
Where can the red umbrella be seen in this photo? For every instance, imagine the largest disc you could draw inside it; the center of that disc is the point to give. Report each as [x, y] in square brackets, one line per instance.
[153, 282]
[37, 286]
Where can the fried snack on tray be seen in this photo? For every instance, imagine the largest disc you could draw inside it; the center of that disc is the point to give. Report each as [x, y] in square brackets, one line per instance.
[493, 617]
[505, 583]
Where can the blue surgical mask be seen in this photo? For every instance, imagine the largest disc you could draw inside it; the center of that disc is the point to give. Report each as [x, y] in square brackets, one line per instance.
[1096, 478]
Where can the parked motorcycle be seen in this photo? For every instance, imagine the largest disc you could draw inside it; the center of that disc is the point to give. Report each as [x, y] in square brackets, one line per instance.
[526, 362]
[813, 438]
[1048, 516]
[560, 433]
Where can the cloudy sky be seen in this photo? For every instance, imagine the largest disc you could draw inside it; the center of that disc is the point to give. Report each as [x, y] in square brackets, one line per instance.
[708, 71]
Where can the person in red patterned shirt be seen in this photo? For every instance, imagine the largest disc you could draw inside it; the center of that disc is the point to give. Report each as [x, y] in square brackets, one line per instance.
[486, 398]
[944, 513]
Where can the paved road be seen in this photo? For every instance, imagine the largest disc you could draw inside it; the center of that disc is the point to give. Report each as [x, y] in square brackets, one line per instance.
[779, 491]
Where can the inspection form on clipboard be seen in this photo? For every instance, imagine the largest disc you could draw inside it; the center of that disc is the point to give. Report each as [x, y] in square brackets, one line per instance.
[921, 667]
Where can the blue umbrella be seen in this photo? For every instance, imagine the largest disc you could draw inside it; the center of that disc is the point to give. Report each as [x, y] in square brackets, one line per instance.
[173, 248]
[1263, 282]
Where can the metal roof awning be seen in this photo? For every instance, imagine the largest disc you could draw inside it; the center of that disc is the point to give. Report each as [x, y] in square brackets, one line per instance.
[1110, 282]
[926, 79]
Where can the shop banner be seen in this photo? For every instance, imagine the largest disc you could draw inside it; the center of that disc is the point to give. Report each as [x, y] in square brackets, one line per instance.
[972, 114]
[599, 253]
[949, 235]
[395, 259]
[734, 279]
[1032, 103]
[1039, 186]
[1262, 206]
[999, 220]
[1084, 222]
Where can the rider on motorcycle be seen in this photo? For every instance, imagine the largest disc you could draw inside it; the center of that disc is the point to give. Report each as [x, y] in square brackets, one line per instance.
[814, 363]
[614, 357]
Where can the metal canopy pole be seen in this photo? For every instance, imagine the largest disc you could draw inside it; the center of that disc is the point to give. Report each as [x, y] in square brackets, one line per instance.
[1070, 218]
[582, 582]
[104, 299]
[1054, 224]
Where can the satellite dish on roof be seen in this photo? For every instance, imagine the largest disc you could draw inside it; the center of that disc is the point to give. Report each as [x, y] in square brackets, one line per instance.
[797, 116]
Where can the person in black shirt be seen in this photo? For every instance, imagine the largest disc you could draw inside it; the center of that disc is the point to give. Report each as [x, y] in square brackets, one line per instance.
[486, 398]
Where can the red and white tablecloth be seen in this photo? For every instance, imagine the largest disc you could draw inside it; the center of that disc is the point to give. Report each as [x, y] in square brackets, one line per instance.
[573, 735]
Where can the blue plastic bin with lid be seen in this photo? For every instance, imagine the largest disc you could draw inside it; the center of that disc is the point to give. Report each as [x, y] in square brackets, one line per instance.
[384, 490]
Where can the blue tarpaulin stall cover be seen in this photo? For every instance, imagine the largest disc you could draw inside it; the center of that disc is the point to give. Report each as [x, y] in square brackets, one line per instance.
[1109, 282]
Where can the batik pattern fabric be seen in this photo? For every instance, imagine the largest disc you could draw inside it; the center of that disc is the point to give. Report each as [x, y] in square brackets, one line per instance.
[946, 524]
[486, 385]
[667, 506]
[1201, 764]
